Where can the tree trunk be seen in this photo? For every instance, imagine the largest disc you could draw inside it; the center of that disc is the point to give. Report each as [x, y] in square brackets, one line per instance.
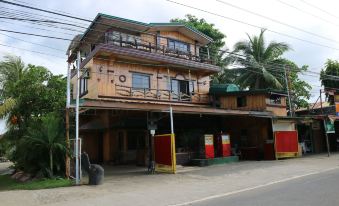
[51, 161]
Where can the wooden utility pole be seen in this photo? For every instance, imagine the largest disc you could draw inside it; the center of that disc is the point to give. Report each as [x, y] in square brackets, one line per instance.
[288, 86]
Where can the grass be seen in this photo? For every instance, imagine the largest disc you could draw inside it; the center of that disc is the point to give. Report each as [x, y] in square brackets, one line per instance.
[7, 183]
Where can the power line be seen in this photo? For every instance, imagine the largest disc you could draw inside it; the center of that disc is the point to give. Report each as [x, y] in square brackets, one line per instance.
[252, 25]
[38, 35]
[38, 52]
[308, 13]
[277, 21]
[318, 8]
[37, 28]
[32, 42]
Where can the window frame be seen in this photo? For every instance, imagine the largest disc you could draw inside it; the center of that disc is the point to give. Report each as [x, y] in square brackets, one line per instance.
[142, 75]
[175, 42]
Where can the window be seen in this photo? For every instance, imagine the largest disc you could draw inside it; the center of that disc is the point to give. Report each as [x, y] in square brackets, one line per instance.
[83, 86]
[141, 81]
[178, 45]
[84, 83]
[241, 101]
[274, 99]
[181, 89]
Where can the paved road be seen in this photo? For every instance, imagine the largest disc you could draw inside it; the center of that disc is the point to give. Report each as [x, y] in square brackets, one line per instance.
[313, 190]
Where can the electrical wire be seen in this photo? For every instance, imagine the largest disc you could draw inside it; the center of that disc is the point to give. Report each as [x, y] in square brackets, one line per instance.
[38, 52]
[277, 21]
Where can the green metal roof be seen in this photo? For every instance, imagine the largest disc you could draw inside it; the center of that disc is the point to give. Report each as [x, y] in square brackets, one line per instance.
[223, 88]
[145, 24]
[220, 90]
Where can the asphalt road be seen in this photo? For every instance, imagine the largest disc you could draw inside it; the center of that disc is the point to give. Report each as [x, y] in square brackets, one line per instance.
[314, 190]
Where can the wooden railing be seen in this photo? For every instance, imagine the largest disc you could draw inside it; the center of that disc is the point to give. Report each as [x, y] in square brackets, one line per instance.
[160, 94]
[137, 43]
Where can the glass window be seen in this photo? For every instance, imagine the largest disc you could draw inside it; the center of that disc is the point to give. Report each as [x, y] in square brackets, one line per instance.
[178, 45]
[140, 81]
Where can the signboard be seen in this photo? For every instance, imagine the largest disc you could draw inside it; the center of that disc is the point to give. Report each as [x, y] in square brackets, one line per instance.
[209, 147]
[226, 146]
[286, 144]
[164, 152]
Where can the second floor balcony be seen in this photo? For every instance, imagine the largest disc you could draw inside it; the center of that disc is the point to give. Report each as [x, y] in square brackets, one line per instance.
[156, 50]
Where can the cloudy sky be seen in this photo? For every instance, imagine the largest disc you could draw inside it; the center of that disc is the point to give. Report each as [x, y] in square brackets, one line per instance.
[319, 26]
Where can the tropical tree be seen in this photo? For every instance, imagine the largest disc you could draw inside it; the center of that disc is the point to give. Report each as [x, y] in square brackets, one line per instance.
[260, 63]
[209, 30]
[47, 138]
[328, 78]
[29, 93]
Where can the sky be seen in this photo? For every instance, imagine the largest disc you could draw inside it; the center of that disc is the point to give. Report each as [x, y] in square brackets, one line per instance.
[323, 24]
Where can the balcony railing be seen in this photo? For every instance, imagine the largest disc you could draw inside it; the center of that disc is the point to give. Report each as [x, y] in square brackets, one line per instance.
[136, 42]
[160, 94]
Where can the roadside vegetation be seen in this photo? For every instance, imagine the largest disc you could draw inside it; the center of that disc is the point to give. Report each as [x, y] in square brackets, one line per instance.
[7, 183]
[32, 103]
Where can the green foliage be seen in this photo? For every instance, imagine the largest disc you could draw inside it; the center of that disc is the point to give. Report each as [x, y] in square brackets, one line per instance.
[209, 30]
[38, 95]
[331, 68]
[7, 183]
[300, 90]
[46, 137]
[7, 106]
[261, 62]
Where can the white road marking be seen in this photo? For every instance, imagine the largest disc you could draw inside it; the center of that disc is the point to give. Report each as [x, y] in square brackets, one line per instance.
[253, 188]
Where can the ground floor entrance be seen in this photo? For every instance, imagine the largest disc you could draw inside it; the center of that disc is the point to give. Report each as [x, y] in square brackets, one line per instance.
[118, 137]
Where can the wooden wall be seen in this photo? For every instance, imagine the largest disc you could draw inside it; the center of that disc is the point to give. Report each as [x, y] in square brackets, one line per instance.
[253, 102]
[105, 75]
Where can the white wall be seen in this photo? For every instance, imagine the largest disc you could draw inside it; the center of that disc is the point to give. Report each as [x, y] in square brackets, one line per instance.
[283, 126]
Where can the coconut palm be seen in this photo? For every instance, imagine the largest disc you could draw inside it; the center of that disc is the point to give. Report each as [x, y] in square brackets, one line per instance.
[48, 138]
[12, 70]
[261, 64]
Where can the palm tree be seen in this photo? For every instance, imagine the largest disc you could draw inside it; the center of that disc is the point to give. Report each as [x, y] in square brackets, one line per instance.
[260, 65]
[47, 137]
[12, 70]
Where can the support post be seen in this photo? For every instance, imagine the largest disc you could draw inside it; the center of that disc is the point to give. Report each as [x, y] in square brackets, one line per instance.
[171, 115]
[327, 142]
[288, 93]
[77, 173]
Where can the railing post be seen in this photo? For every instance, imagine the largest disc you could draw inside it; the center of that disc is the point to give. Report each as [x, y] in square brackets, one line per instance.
[136, 43]
[120, 40]
[130, 91]
[144, 92]
[163, 49]
[150, 47]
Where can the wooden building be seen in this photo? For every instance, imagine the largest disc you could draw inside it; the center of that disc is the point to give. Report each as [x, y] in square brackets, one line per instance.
[132, 72]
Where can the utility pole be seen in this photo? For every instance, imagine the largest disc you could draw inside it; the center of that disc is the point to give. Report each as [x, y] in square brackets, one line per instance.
[68, 104]
[77, 173]
[325, 127]
[288, 91]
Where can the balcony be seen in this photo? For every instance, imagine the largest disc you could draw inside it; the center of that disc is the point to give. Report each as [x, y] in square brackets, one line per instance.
[159, 95]
[161, 51]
